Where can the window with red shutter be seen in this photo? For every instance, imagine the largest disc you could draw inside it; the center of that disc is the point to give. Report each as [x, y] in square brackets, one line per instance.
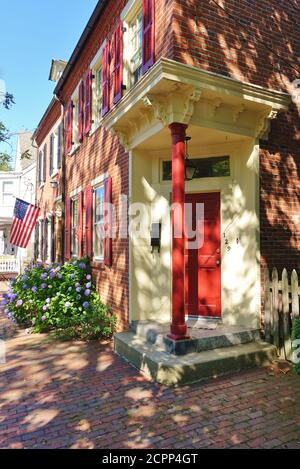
[148, 34]
[51, 164]
[44, 162]
[69, 127]
[106, 79]
[89, 221]
[118, 63]
[80, 111]
[80, 224]
[68, 229]
[88, 98]
[108, 222]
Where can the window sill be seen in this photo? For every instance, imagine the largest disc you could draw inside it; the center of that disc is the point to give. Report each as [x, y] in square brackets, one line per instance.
[95, 127]
[98, 263]
[55, 173]
[74, 149]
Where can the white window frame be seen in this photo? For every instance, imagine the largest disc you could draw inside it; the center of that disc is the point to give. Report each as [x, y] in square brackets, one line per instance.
[55, 151]
[5, 193]
[97, 183]
[41, 166]
[74, 198]
[96, 67]
[49, 240]
[132, 9]
[40, 247]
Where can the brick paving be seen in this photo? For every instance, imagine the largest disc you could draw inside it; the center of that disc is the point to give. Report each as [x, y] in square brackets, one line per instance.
[78, 395]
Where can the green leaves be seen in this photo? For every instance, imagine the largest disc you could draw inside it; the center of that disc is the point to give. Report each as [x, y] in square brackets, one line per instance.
[54, 298]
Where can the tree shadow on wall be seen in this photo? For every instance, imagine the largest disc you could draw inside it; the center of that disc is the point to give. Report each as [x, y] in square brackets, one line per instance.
[256, 42]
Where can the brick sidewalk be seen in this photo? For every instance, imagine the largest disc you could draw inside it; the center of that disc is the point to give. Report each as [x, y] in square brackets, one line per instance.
[77, 395]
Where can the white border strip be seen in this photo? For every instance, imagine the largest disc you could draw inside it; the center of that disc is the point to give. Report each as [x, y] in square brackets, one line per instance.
[75, 191]
[99, 179]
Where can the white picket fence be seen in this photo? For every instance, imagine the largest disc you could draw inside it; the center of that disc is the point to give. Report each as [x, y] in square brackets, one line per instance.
[9, 265]
[281, 308]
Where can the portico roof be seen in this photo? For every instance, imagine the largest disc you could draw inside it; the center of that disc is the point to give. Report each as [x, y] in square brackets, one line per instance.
[174, 92]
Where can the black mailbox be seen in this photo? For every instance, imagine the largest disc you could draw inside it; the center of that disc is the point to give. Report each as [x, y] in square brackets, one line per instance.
[155, 236]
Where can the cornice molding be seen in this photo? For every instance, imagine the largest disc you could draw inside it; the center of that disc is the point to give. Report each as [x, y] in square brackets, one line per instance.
[174, 92]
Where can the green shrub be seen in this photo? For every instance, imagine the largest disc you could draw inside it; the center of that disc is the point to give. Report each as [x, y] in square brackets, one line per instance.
[296, 336]
[60, 298]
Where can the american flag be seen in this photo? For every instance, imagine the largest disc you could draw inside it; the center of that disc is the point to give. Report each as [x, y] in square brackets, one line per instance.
[24, 220]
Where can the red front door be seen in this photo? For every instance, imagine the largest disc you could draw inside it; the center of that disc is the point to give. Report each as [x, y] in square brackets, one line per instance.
[203, 256]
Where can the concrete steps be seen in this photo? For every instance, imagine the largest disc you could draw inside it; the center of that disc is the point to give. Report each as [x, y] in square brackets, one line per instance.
[200, 339]
[170, 369]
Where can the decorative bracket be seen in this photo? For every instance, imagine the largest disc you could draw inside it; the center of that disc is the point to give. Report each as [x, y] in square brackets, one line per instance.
[177, 106]
[263, 126]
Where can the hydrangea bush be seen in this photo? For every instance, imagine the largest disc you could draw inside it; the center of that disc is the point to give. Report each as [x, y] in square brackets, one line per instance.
[61, 298]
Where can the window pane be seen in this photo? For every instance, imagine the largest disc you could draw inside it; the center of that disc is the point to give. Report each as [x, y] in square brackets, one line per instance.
[136, 39]
[99, 241]
[98, 235]
[99, 205]
[74, 233]
[205, 167]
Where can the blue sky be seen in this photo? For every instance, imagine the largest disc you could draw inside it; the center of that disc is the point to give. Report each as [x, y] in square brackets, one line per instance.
[33, 32]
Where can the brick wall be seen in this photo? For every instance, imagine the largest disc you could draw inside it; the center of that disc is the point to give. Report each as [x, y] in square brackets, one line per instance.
[258, 42]
[46, 194]
[254, 41]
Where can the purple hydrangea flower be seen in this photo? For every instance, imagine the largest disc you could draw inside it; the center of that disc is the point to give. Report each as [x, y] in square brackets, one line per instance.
[43, 286]
[88, 277]
[43, 318]
[13, 296]
[44, 276]
[24, 287]
[87, 292]
[4, 302]
[82, 265]
[52, 274]
[45, 307]
[34, 289]
[88, 285]
[86, 304]
[19, 303]
[77, 284]
[78, 289]
[9, 315]
[24, 278]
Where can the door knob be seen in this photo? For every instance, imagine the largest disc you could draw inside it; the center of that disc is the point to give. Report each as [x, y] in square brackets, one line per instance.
[218, 262]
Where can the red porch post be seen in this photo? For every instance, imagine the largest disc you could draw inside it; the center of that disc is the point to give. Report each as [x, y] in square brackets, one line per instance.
[178, 326]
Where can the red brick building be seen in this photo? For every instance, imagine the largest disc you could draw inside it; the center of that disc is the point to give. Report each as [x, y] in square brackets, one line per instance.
[144, 75]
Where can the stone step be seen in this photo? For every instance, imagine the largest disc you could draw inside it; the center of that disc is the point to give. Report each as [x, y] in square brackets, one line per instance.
[178, 370]
[200, 339]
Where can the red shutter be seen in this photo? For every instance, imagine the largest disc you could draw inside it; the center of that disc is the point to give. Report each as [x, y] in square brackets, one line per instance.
[68, 229]
[80, 111]
[88, 97]
[80, 224]
[148, 34]
[105, 79]
[69, 127]
[118, 63]
[89, 220]
[108, 222]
